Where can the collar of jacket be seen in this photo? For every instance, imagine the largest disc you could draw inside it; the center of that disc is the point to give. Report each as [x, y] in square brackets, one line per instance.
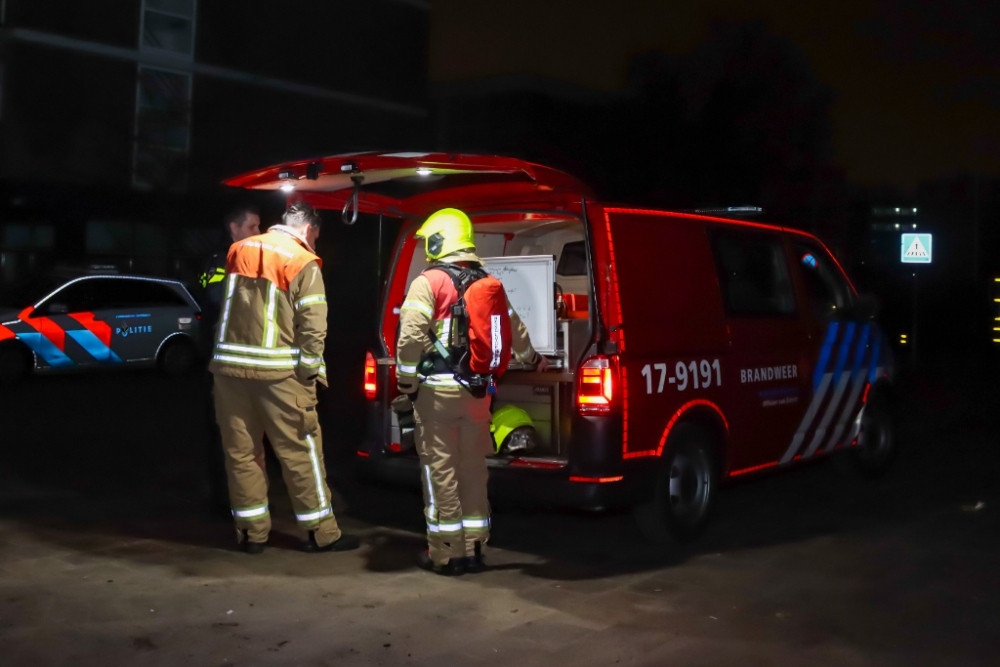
[460, 256]
[294, 233]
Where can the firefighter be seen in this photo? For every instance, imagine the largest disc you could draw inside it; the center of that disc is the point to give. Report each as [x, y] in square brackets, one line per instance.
[240, 223]
[453, 426]
[267, 361]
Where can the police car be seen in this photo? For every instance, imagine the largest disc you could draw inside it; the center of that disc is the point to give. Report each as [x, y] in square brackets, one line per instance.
[691, 350]
[101, 321]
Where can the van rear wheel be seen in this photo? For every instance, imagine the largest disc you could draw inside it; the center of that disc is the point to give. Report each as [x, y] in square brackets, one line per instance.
[686, 487]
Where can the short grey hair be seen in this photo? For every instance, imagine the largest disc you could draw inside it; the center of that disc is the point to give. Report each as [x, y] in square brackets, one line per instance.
[300, 214]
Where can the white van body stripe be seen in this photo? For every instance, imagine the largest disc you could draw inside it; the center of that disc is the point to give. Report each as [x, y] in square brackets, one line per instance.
[807, 420]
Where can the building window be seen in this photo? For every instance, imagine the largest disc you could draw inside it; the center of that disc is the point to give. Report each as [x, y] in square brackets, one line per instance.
[168, 25]
[163, 98]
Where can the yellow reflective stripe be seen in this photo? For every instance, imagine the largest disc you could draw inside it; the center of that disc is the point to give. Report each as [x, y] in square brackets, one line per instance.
[250, 512]
[253, 349]
[277, 364]
[270, 326]
[219, 276]
[310, 362]
[441, 380]
[417, 305]
[313, 516]
[224, 323]
[405, 369]
[322, 371]
[312, 298]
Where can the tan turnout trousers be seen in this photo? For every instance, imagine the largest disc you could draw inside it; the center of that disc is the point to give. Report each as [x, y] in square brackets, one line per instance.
[453, 440]
[286, 411]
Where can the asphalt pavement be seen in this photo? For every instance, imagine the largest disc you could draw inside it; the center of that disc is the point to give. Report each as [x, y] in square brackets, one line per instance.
[108, 557]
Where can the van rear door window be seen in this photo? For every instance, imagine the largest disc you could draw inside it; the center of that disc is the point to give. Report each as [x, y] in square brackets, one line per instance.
[573, 259]
[753, 274]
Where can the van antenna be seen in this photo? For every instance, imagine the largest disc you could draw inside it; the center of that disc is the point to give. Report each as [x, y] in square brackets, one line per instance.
[351, 205]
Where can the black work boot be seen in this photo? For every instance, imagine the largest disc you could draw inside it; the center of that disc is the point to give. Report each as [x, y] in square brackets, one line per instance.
[475, 564]
[345, 543]
[251, 548]
[452, 568]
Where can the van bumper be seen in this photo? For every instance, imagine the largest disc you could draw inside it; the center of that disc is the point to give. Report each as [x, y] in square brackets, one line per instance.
[514, 486]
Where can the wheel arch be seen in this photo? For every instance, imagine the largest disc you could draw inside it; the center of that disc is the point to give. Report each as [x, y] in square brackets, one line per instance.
[18, 344]
[709, 418]
[175, 337]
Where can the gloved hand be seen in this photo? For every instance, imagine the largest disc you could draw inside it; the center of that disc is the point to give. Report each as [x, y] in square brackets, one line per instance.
[306, 375]
[402, 405]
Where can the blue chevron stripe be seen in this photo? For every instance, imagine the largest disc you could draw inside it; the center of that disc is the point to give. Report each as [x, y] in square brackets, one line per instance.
[824, 354]
[93, 345]
[45, 349]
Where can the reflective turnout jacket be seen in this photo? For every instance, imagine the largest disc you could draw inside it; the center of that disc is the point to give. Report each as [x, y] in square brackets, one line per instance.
[273, 316]
[428, 306]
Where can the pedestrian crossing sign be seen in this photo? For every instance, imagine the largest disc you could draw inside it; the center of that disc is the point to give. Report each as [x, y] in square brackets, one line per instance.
[916, 248]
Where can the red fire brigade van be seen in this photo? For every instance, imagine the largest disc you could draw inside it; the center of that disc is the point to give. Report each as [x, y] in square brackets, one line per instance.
[690, 350]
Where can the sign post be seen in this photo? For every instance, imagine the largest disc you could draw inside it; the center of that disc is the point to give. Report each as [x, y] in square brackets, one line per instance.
[916, 249]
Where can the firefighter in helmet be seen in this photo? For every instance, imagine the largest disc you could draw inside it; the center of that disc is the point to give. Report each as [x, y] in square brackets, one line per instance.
[452, 424]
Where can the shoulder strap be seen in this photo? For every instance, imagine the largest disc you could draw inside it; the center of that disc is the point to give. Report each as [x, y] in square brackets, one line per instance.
[461, 277]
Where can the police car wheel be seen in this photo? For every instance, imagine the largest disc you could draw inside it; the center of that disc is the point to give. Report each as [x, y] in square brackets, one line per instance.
[178, 358]
[686, 487]
[875, 450]
[15, 364]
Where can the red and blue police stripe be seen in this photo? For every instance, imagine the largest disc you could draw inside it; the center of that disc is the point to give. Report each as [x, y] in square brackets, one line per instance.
[62, 341]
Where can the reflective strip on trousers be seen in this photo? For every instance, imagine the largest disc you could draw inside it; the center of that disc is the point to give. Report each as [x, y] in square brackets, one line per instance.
[322, 371]
[252, 349]
[224, 322]
[441, 380]
[416, 305]
[250, 512]
[259, 363]
[405, 369]
[449, 528]
[312, 516]
[316, 471]
[306, 300]
[270, 326]
[475, 523]
[431, 506]
[310, 361]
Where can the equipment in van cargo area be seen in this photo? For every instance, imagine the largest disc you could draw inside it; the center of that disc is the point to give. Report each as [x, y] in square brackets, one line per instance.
[688, 350]
[530, 285]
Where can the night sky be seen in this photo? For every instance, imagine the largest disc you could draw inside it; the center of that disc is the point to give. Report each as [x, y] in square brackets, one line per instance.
[917, 82]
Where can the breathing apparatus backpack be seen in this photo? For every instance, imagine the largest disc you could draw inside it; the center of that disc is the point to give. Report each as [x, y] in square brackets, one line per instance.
[477, 348]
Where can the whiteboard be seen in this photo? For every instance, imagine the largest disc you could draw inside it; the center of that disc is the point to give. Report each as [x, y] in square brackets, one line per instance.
[529, 281]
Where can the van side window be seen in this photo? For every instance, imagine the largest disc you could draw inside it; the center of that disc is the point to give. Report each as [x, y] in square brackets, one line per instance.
[753, 273]
[573, 259]
[826, 289]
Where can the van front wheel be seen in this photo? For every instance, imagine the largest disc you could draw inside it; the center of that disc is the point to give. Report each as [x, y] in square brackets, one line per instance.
[686, 487]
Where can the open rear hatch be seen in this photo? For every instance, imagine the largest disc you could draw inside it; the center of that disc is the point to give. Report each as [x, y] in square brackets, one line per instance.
[414, 185]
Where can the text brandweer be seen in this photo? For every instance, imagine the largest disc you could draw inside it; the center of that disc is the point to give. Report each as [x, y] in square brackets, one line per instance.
[768, 373]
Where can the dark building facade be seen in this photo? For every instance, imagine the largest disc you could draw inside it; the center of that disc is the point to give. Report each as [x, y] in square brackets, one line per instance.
[119, 119]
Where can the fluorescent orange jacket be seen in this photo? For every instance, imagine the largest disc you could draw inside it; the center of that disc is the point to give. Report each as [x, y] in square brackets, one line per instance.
[273, 315]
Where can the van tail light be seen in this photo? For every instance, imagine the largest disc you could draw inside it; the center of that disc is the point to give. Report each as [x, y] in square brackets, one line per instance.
[597, 386]
[371, 383]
